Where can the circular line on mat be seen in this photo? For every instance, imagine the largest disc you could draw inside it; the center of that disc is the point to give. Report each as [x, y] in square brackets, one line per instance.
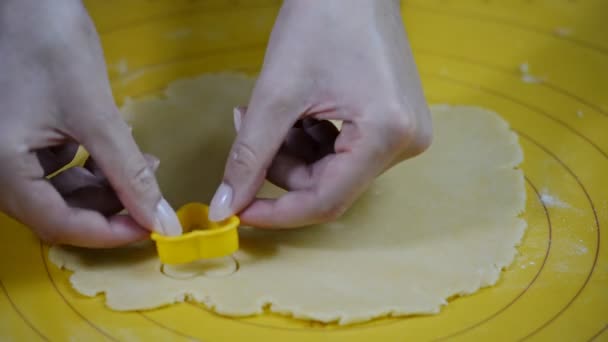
[599, 333]
[542, 266]
[597, 225]
[501, 21]
[161, 325]
[518, 102]
[90, 323]
[23, 317]
[508, 71]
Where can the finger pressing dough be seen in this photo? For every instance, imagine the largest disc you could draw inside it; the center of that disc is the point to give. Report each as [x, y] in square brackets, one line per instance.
[442, 224]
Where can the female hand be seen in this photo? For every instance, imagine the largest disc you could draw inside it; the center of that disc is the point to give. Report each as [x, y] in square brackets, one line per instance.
[54, 94]
[345, 60]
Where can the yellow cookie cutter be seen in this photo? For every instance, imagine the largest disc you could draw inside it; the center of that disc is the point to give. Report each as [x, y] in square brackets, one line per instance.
[202, 239]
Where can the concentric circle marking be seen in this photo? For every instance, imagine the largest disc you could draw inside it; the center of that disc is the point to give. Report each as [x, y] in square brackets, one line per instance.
[599, 333]
[21, 315]
[597, 229]
[165, 327]
[85, 319]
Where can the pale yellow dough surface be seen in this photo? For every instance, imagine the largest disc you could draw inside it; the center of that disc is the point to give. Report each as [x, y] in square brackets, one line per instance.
[440, 225]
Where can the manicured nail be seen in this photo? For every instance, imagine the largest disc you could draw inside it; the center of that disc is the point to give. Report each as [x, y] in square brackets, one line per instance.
[155, 164]
[166, 220]
[237, 115]
[220, 204]
[152, 161]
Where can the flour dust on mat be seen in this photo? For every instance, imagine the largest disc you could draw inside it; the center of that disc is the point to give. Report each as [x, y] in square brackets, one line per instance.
[442, 224]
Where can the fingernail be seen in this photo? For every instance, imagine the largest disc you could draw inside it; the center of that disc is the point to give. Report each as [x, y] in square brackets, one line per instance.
[152, 161]
[166, 220]
[155, 164]
[220, 204]
[237, 116]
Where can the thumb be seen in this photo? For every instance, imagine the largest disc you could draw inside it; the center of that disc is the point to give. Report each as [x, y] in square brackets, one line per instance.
[260, 134]
[109, 141]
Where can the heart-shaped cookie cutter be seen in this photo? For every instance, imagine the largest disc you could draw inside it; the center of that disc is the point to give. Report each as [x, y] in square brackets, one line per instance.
[202, 238]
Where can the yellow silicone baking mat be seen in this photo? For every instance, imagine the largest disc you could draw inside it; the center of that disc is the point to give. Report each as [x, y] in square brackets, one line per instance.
[543, 65]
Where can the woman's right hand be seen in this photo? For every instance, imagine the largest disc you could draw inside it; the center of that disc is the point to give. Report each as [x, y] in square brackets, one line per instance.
[55, 95]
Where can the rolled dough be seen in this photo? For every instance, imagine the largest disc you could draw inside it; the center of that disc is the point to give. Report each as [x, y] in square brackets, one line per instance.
[440, 225]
